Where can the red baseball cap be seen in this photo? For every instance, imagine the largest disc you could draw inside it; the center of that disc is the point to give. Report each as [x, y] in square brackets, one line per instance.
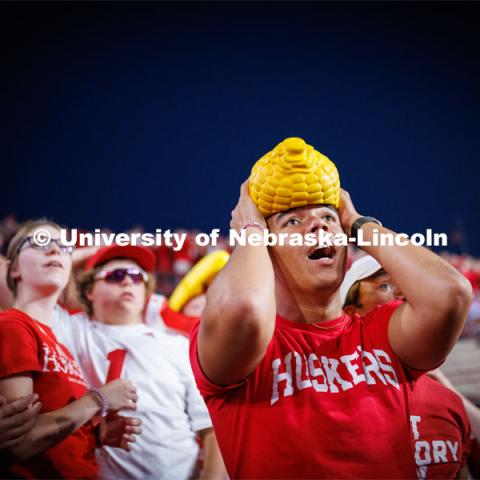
[142, 255]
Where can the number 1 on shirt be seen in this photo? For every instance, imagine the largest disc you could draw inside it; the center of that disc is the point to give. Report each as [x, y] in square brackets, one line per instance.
[116, 358]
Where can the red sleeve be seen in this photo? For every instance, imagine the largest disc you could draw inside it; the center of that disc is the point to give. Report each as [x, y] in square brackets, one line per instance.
[177, 321]
[206, 387]
[383, 314]
[378, 319]
[18, 349]
[455, 404]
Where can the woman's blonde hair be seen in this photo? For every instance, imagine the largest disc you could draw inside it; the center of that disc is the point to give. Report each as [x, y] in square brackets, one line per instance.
[16, 244]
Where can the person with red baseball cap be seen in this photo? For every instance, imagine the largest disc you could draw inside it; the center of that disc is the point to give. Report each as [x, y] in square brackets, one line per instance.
[111, 340]
[141, 255]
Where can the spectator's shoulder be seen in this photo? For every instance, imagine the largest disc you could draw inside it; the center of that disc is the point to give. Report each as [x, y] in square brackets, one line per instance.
[178, 339]
[64, 313]
[69, 323]
[176, 349]
[156, 303]
[15, 323]
[435, 388]
[13, 316]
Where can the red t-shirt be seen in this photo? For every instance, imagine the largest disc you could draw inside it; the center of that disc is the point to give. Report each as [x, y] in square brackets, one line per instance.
[177, 321]
[440, 428]
[26, 346]
[311, 409]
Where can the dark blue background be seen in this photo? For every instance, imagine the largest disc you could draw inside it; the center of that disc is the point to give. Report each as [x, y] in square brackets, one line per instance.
[115, 114]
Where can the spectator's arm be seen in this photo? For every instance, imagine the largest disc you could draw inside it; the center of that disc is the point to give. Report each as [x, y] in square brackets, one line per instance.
[17, 418]
[50, 428]
[213, 467]
[54, 426]
[239, 318]
[424, 329]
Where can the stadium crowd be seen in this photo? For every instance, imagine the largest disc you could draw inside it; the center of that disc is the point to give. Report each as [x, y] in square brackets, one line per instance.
[171, 265]
[60, 419]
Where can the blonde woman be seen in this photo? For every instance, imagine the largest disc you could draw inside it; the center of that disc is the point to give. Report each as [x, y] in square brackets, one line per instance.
[61, 443]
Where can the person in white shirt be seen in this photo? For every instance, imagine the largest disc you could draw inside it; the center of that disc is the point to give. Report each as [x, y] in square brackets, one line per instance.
[111, 340]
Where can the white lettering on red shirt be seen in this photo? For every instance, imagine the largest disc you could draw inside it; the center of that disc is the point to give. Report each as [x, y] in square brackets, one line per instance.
[55, 360]
[431, 452]
[323, 375]
[440, 430]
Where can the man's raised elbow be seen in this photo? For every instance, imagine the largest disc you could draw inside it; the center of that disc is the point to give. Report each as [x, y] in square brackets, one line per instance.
[247, 311]
[458, 296]
[239, 313]
[464, 292]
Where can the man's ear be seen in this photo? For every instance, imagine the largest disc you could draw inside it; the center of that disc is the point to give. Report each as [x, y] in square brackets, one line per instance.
[350, 310]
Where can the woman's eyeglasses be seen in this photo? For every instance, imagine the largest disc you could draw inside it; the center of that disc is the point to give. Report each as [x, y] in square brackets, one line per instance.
[45, 247]
[119, 274]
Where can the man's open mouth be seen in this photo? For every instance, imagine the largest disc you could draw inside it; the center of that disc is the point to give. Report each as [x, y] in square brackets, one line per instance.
[325, 252]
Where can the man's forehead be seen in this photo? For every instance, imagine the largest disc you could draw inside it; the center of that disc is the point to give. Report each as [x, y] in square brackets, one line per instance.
[304, 209]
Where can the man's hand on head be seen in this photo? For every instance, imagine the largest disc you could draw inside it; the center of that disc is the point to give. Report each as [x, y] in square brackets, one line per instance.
[346, 211]
[246, 211]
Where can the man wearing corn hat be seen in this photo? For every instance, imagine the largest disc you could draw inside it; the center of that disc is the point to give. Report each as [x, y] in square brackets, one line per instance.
[296, 388]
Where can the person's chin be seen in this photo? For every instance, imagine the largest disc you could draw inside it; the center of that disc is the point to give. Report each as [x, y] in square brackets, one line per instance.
[125, 303]
[330, 280]
[52, 286]
[128, 305]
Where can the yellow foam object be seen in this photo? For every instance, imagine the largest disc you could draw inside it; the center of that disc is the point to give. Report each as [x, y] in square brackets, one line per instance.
[293, 174]
[197, 279]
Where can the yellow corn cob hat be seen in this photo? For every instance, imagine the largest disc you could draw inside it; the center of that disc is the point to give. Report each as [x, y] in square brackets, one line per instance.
[293, 175]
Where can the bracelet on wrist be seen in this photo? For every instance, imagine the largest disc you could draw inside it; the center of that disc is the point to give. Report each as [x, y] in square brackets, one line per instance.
[102, 400]
[254, 225]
